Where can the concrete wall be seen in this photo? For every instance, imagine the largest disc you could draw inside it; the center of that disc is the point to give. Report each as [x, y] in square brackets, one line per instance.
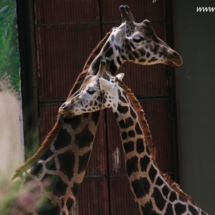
[195, 41]
[11, 127]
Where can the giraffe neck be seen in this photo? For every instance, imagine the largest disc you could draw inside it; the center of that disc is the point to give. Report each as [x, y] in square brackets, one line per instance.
[154, 192]
[111, 50]
[58, 173]
[114, 56]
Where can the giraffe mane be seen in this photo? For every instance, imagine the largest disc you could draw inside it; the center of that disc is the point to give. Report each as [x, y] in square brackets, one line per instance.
[44, 146]
[90, 59]
[51, 135]
[148, 137]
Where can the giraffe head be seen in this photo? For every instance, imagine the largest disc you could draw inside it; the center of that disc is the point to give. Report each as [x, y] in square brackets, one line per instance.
[91, 96]
[140, 44]
[134, 42]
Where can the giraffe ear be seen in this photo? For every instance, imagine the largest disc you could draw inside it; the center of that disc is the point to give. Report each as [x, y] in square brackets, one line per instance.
[120, 76]
[104, 84]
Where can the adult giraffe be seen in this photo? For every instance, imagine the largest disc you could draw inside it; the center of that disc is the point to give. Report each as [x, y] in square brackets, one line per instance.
[59, 165]
[154, 191]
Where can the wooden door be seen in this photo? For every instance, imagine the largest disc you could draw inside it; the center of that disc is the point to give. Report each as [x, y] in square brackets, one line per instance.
[66, 31]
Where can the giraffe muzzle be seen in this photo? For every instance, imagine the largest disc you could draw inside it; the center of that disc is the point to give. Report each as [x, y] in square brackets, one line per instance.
[65, 107]
[65, 111]
[175, 60]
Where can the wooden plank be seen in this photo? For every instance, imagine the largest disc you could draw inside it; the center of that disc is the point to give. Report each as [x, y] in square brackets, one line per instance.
[93, 197]
[121, 197]
[61, 54]
[64, 12]
[156, 112]
[98, 159]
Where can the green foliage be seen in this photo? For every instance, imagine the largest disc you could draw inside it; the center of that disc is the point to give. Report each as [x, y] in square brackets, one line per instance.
[8, 193]
[9, 51]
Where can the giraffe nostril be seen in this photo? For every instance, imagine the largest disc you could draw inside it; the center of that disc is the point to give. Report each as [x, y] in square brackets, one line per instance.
[175, 54]
[63, 106]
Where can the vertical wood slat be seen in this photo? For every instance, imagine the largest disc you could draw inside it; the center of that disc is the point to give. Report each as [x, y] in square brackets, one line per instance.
[62, 12]
[98, 160]
[93, 197]
[48, 116]
[156, 112]
[63, 42]
[61, 54]
[121, 197]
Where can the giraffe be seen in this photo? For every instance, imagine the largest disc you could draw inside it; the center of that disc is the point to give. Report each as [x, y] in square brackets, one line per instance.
[59, 165]
[154, 192]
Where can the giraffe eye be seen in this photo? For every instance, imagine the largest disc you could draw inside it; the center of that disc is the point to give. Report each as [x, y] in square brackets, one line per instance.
[138, 40]
[91, 91]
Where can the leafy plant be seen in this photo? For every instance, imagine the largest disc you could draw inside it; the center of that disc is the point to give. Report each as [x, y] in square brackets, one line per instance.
[9, 49]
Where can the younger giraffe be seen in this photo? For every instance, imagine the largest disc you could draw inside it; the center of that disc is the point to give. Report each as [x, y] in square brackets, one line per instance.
[154, 191]
[59, 166]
